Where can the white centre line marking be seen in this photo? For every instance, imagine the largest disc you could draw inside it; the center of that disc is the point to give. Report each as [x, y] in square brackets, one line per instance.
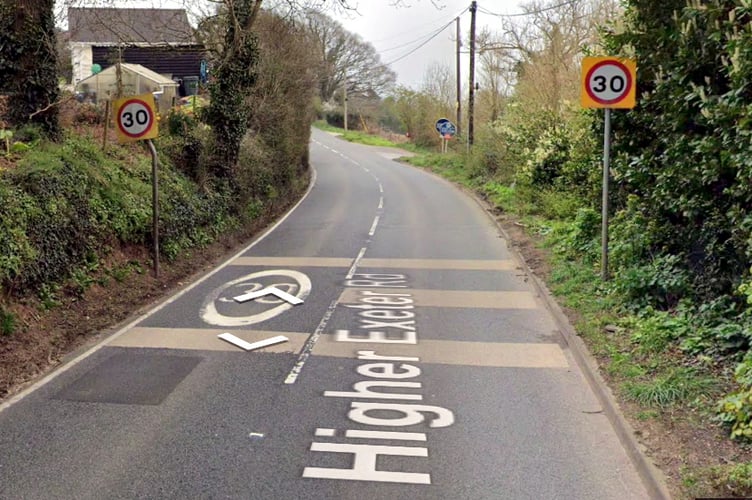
[292, 377]
[381, 203]
[381, 188]
[373, 227]
[355, 263]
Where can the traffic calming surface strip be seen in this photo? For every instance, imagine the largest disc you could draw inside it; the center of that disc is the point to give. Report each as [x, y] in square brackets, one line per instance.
[458, 265]
[448, 352]
[451, 298]
[490, 354]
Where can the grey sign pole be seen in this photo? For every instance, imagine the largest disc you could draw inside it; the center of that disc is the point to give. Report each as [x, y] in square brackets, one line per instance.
[155, 205]
[606, 172]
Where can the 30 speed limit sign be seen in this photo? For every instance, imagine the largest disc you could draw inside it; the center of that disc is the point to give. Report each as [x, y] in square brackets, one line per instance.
[135, 118]
[608, 82]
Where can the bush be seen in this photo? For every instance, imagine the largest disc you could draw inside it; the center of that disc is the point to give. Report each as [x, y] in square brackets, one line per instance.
[65, 205]
[7, 323]
[187, 146]
[660, 282]
[735, 410]
[89, 114]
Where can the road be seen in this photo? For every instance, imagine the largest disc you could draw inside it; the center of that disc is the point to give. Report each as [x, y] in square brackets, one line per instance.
[421, 364]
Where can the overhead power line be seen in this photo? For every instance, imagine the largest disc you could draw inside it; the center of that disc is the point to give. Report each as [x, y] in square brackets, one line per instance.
[530, 13]
[433, 32]
[411, 31]
[433, 35]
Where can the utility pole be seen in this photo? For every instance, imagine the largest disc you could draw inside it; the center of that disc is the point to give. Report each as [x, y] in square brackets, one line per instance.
[459, 80]
[471, 94]
[345, 104]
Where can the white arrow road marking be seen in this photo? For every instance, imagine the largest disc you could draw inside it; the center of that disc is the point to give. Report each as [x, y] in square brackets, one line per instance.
[210, 314]
[269, 291]
[232, 339]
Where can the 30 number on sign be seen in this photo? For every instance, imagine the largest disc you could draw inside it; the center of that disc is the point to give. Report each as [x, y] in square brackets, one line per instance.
[608, 83]
[135, 118]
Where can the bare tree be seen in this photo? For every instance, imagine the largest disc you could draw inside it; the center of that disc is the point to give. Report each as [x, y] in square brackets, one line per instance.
[547, 45]
[344, 58]
[439, 82]
[496, 76]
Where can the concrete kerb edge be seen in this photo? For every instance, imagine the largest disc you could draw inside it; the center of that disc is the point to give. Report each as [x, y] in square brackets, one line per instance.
[653, 478]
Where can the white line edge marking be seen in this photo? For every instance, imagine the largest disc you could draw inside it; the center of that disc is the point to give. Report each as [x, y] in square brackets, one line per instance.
[372, 231]
[250, 346]
[67, 366]
[305, 353]
[355, 263]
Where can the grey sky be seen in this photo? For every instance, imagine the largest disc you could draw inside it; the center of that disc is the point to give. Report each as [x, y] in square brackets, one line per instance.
[394, 30]
[391, 29]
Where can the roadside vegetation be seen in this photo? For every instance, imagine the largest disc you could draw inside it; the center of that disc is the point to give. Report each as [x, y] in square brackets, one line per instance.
[672, 327]
[75, 208]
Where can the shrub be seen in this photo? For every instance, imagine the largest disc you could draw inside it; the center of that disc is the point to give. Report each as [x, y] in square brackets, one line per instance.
[7, 323]
[735, 410]
[88, 113]
[661, 282]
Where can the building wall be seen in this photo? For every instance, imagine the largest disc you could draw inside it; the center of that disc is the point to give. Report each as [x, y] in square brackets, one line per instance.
[81, 61]
[173, 62]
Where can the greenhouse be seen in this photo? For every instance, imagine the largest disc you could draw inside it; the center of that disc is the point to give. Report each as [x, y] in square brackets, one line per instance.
[136, 79]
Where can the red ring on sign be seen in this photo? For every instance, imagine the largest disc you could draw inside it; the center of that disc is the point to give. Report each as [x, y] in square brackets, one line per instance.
[627, 87]
[148, 110]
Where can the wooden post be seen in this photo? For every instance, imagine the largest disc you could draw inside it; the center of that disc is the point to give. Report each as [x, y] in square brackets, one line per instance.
[106, 124]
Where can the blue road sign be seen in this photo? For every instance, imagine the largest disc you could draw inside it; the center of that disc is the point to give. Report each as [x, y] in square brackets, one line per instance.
[445, 127]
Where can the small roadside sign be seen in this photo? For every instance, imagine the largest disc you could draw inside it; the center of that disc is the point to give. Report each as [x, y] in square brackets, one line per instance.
[445, 127]
[135, 118]
[608, 82]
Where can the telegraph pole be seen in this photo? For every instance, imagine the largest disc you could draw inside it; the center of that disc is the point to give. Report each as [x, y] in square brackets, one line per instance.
[459, 80]
[345, 103]
[471, 94]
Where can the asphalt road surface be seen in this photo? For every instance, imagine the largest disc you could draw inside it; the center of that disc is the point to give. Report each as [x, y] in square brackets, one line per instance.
[420, 364]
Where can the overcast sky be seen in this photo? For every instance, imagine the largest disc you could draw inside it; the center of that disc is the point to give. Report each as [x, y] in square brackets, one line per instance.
[395, 31]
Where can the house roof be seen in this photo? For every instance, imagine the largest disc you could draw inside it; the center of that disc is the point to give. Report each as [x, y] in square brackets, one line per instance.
[109, 26]
[133, 68]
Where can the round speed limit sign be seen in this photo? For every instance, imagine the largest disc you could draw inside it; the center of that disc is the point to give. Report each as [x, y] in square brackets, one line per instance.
[608, 83]
[135, 118]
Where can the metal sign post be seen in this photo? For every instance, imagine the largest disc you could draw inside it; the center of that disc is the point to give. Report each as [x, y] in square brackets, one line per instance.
[605, 203]
[135, 121]
[154, 205]
[608, 83]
